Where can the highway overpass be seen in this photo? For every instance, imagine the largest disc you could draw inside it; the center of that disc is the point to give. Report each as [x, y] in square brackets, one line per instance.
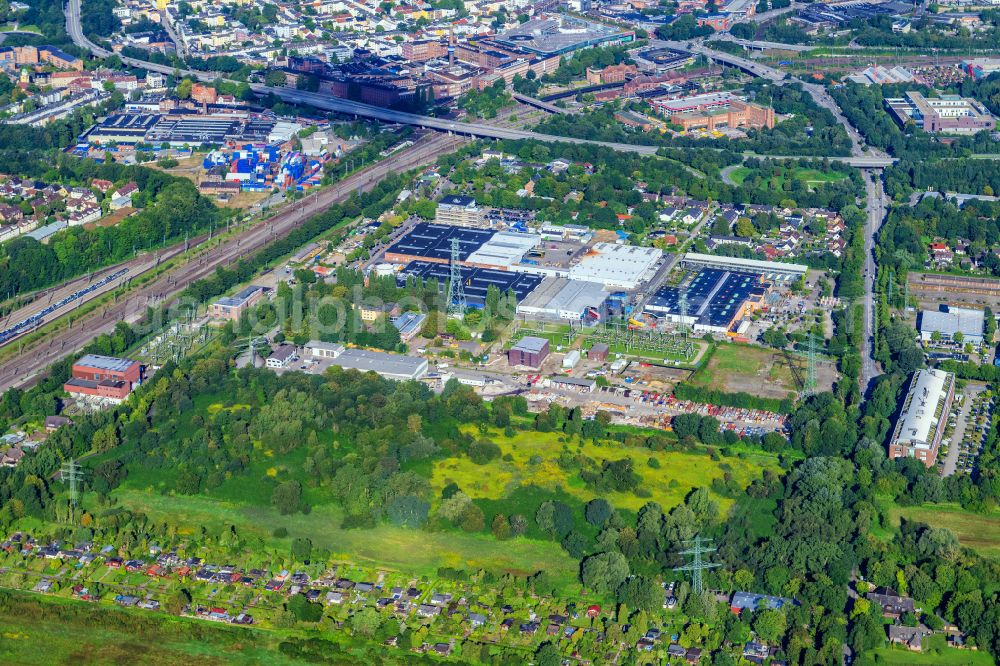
[479, 130]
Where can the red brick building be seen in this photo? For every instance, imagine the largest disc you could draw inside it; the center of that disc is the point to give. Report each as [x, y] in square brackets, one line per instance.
[104, 378]
[204, 94]
[420, 51]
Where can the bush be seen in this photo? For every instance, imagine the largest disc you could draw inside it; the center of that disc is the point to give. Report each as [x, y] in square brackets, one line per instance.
[483, 451]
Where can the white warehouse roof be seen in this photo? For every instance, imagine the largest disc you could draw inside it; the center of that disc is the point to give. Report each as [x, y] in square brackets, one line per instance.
[504, 249]
[966, 321]
[620, 266]
[919, 418]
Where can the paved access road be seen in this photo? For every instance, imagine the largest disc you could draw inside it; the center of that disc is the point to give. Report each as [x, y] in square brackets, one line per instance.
[877, 208]
[23, 368]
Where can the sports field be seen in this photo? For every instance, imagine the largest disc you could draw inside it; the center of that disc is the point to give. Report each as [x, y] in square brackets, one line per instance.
[973, 530]
[532, 459]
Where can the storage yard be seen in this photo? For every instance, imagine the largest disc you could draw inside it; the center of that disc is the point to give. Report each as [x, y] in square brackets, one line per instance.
[260, 168]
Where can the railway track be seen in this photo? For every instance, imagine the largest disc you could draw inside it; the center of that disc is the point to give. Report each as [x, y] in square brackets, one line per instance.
[26, 366]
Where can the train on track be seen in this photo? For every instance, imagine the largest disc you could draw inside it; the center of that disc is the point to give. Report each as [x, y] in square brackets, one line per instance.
[38, 318]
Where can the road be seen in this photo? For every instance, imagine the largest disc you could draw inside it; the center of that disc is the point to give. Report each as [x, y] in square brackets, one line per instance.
[349, 107]
[877, 208]
[758, 44]
[24, 367]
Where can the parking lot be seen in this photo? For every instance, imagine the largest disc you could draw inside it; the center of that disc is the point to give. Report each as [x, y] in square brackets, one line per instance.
[968, 425]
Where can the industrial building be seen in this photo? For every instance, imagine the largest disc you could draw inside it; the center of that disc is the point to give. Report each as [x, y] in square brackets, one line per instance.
[232, 307]
[103, 379]
[529, 351]
[598, 352]
[717, 300]
[483, 248]
[475, 281]
[409, 324]
[432, 242]
[126, 128]
[281, 357]
[948, 114]
[924, 416]
[950, 321]
[876, 75]
[774, 271]
[557, 299]
[560, 34]
[617, 266]
[390, 366]
[713, 110]
[504, 250]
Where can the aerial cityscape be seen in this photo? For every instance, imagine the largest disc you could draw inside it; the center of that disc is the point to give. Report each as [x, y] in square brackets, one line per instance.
[551, 332]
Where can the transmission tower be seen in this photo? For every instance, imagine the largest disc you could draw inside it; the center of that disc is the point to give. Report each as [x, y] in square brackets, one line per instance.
[810, 383]
[683, 303]
[252, 344]
[697, 565]
[456, 290]
[70, 474]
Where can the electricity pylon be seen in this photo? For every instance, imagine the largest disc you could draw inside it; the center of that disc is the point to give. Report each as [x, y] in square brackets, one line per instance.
[456, 290]
[697, 565]
[70, 474]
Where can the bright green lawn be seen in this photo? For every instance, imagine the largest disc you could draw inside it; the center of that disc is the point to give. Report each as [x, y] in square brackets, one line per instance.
[976, 531]
[948, 657]
[534, 463]
[808, 176]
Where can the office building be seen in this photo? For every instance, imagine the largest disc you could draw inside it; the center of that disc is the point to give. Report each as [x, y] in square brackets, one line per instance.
[947, 114]
[924, 416]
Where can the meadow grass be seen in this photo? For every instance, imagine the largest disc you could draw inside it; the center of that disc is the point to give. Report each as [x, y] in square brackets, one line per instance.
[397, 548]
[888, 656]
[531, 459]
[973, 530]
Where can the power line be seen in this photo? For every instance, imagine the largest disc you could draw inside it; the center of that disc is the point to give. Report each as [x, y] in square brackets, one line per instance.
[697, 565]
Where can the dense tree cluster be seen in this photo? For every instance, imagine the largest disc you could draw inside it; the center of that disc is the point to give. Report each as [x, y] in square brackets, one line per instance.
[170, 208]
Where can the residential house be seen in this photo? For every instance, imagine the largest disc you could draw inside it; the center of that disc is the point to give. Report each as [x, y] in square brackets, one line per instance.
[122, 197]
[893, 605]
[911, 637]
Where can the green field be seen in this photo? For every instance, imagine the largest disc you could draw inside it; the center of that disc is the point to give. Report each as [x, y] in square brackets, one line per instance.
[534, 462]
[419, 551]
[976, 531]
[747, 369]
[28, 638]
[776, 178]
[948, 657]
